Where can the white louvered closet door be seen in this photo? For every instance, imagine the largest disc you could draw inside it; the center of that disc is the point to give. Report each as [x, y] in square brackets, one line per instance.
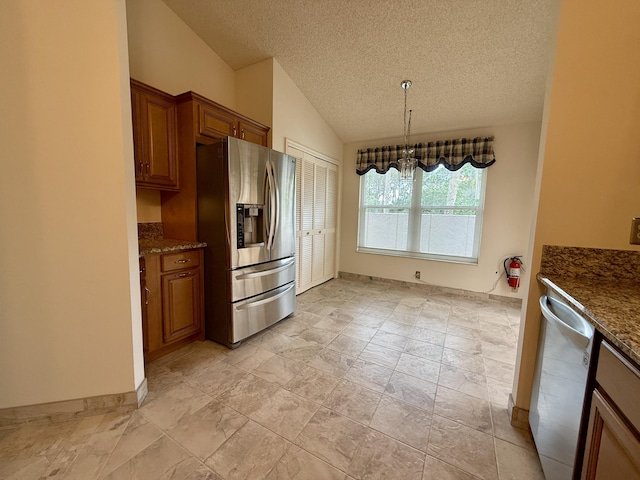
[298, 217]
[331, 219]
[316, 218]
[305, 260]
[319, 203]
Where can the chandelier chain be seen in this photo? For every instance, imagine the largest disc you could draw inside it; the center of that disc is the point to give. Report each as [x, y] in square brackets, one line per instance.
[407, 162]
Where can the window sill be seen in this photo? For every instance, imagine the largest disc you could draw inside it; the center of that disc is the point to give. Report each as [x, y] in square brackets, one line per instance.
[418, 255]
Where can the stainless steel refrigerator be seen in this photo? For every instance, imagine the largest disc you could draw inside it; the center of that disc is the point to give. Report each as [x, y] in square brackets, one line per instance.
[246, 215]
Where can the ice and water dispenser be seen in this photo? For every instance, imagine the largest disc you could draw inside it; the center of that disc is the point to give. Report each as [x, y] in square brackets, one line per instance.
[250, 225]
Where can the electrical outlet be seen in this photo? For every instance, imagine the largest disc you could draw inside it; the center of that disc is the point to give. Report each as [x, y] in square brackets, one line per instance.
[634, 239]
[417, 274]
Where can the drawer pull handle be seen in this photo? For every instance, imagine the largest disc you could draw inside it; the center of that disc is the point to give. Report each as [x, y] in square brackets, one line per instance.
[182, 275]
[147, 295]
[262, 273]
[184, 260]
[266, 300]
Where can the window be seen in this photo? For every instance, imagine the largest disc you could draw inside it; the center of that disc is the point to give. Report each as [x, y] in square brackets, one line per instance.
[437, 216]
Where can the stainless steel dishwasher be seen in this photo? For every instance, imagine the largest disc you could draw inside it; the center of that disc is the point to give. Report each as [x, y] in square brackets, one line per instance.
[559, 386]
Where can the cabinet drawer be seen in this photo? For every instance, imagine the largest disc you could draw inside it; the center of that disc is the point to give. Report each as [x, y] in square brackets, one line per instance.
[621, 380]
[181, 260]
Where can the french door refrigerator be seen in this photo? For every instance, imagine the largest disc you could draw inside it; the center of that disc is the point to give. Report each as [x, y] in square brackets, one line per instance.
[246, 215]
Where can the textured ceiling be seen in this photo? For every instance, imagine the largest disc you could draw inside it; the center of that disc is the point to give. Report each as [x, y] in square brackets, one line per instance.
[473, 63]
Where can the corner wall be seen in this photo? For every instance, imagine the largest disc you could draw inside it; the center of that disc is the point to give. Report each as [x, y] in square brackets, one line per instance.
[70, 299]
[590, 181]
[166, 54]
[506, 224]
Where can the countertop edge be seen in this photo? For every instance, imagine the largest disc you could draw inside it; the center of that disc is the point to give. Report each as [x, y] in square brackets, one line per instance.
[151, 247]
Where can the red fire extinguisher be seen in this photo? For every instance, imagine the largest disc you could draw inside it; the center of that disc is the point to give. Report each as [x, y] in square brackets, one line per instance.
[513, 271]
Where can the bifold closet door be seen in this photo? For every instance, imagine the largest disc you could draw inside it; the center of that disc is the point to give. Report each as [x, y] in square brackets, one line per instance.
[316, 196]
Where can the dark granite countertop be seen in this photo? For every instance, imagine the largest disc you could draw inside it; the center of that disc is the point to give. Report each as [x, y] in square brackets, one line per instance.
[601, 285]
[151, 240]
[164, 245]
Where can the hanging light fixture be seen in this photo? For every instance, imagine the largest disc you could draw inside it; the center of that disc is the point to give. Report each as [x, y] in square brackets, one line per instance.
[408, 160]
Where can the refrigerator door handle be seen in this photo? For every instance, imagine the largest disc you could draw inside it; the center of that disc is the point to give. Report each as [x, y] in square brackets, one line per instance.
[271, 202]
[262, 273]
[266, 300]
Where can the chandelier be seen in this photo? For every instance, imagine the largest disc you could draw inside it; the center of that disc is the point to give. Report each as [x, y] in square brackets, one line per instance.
[408, 160]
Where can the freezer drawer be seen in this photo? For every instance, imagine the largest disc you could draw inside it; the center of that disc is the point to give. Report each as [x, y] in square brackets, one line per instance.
[257, 313]
[250, 281]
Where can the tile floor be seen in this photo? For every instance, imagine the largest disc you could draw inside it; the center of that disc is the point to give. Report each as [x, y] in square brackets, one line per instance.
[366, 381]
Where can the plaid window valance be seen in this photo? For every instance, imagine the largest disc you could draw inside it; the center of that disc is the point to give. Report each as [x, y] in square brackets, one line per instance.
[453, 154]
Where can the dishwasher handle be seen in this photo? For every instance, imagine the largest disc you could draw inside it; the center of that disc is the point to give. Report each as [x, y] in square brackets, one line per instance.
[572, 325]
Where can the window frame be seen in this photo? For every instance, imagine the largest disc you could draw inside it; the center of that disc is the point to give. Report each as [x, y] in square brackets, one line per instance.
[415, 222]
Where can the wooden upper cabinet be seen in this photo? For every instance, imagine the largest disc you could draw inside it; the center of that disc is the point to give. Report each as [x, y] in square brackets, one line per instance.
[216, 121]
[155, 120]
[252, 132]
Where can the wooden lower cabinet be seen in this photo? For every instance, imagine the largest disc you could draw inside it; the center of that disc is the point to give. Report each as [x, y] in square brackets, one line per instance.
[175, 302]
[612, 448]
[181, 310]
[144, 301]
[613, 451]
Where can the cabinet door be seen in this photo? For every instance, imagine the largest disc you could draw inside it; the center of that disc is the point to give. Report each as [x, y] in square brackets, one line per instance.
[612, 447]
[216, 123]
[181, 304]
[160, 136]
[252, 133]
[144, 302]
[155, 137]
[138, 154]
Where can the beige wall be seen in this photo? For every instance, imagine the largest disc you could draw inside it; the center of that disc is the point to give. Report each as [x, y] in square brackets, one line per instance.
[69, 302]
[296, 119]
[507, 216]
[148, 205]
[254, 92]
[166, 54]
[590, 181]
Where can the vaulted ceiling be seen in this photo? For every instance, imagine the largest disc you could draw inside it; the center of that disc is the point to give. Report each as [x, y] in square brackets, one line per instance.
[473, 63]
